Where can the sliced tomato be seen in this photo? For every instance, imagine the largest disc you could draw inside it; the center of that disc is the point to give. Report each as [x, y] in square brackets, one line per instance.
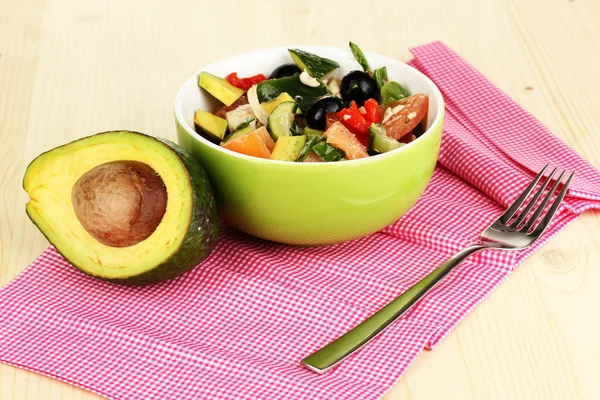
[416, 132]
[363, 139]
[252, 144]
[340, 137]
[330, 119]
[406, 138]
[402, 116]
[266, 138]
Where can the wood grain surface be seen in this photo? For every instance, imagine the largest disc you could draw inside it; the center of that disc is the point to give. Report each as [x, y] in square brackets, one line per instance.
[70, 68]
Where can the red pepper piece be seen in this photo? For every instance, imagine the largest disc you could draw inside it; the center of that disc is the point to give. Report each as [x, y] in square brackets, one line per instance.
[352, 119]
[245, 83]
[372, 111]
[334, 117]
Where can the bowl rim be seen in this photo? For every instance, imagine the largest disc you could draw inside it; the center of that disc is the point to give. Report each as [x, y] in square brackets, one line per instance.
[178, 106]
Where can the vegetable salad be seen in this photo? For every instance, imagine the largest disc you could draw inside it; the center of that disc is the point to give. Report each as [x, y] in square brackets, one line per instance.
[302, 113]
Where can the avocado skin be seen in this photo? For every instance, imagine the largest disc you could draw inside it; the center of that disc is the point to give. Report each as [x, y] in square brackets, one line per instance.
[201, 235]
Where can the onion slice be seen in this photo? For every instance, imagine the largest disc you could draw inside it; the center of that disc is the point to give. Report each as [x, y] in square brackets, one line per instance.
[257, 109]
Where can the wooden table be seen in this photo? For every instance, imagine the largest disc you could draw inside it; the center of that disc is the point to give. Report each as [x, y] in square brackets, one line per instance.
[73, 68]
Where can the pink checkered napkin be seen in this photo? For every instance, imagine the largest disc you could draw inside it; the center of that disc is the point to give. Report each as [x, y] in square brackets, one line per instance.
[237, 326]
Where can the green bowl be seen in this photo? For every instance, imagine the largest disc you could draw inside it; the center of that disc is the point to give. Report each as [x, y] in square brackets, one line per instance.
[312, 203]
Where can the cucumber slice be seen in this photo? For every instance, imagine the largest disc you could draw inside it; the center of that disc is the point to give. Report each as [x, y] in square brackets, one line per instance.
[327, 152]
[303, 95]
[287, 148]
[281, 120]
[237, 134]
[379, 141]
[270, 105]
[316, 66]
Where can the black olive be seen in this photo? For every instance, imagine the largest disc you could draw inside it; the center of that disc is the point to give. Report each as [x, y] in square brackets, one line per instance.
[360, 87]
[300, 121]
[316, 114]
[285, 70]
[418, 130]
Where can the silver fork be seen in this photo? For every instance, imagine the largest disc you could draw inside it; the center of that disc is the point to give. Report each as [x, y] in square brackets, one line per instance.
[514, 230]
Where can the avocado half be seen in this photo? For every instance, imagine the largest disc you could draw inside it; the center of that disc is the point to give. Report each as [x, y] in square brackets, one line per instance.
[123, 206]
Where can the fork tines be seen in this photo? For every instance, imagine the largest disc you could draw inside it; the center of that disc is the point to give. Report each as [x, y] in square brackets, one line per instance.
[524, 220]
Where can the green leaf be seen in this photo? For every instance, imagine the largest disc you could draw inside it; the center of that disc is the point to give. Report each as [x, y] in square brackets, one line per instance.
[380, 75]
[327, 152]
[360, 57]
[312, 141]
[237, 134]
[246, 122]
[393, 91]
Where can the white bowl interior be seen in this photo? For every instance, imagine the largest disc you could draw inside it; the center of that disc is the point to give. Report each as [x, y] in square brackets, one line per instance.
[190, 97]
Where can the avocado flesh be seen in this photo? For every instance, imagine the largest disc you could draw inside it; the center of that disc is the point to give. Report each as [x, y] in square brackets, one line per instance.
[211, 125]
[220, 88]
[183, 238]
[288, 148]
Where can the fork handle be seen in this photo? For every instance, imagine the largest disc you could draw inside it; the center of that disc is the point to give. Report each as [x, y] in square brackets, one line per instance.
[336, 351]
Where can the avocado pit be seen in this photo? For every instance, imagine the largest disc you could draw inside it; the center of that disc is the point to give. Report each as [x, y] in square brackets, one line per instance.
[120, 203]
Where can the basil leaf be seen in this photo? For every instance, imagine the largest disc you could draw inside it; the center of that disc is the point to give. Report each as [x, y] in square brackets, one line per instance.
[393, 91]
[327, 152]
[246, 122]
[380, 75]
[360, 57]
